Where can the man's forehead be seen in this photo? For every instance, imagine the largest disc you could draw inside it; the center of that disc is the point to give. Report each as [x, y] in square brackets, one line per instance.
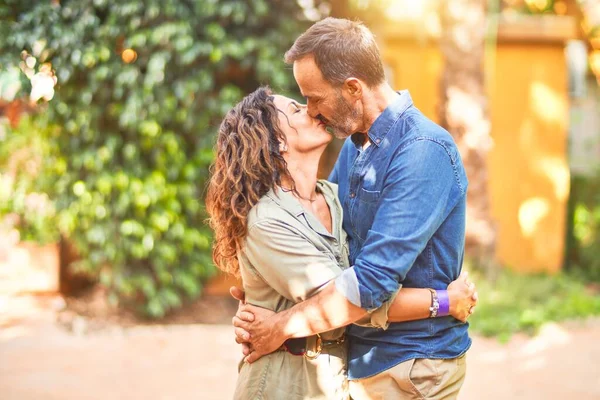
[308, 76]
[307, 89]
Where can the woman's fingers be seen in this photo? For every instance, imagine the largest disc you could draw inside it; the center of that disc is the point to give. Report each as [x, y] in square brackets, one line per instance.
[241, 324]
[245, 316]
[253, 356]
[241, 335]
[246, 349]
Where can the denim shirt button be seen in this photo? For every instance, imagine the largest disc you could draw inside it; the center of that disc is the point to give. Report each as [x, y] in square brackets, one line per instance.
[352, 195]
[378, 141]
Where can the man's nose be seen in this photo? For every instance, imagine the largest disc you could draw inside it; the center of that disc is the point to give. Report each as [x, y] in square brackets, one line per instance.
[311, 110]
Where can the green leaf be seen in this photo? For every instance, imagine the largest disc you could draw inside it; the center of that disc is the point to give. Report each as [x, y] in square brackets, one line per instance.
[154, 308]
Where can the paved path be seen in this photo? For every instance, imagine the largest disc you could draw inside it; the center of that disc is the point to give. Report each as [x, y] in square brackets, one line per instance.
[40, 359]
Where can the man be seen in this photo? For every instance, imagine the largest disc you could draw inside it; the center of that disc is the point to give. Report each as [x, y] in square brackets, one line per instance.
[403, 188]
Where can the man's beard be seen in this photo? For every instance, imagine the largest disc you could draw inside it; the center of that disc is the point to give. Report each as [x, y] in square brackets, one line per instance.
[343, 119]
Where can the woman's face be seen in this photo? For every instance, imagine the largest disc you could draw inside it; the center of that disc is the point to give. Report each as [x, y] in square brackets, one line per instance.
[303, 133]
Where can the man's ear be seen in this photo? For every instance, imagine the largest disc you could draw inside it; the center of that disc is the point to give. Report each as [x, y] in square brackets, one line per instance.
[354, 87]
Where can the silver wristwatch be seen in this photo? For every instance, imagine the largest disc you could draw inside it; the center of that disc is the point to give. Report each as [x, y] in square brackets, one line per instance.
[435, 304]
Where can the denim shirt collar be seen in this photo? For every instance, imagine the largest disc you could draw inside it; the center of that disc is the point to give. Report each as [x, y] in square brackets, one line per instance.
[384, 122]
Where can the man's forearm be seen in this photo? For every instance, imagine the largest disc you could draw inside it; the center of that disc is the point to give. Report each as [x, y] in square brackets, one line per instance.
[327, 310]
[410, 305]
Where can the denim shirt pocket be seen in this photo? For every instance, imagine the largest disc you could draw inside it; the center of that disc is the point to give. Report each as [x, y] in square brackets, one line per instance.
[365, 209]
[368, 196]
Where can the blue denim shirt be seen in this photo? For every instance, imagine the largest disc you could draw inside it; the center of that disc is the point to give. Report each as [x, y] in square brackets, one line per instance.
[404, 201]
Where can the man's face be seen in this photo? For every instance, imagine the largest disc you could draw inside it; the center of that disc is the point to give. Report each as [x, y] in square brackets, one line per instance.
[324, 101]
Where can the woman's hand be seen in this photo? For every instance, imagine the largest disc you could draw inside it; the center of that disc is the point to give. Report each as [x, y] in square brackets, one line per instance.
[258, 330]
[254, 328]
[463, 297]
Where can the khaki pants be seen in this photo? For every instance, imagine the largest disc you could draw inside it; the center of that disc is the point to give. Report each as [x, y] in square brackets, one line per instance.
[413, 379]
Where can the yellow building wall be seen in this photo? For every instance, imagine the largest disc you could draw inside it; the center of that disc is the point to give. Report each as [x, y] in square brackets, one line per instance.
[528, 169]
[529, 172]
[416, 67]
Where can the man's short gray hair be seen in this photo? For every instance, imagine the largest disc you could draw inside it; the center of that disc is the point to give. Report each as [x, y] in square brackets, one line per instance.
[341, 49]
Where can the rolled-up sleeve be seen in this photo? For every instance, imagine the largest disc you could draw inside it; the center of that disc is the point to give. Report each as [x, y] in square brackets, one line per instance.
[415, 200]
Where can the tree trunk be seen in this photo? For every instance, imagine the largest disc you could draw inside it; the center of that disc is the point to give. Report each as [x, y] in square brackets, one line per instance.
[464, 113]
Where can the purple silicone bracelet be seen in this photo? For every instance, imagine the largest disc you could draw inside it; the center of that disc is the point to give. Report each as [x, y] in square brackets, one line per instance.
[444, 303]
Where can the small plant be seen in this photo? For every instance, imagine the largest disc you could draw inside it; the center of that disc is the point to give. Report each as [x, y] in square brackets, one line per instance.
[523, 303]
[24, 205]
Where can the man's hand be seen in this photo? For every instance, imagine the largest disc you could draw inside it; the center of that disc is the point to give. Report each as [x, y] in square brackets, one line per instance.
[463, 297]
[257, 327]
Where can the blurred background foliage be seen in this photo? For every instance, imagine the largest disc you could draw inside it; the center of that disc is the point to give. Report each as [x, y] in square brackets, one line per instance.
[125, 143]
[583, 241]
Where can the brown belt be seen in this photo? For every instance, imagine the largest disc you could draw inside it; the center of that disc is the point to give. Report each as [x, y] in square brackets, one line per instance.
[310, 347]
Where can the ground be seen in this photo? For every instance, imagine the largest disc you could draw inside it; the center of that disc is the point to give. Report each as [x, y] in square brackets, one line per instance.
[52, 350]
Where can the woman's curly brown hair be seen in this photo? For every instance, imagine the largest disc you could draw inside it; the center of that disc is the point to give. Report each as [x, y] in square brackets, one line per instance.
[248, 164]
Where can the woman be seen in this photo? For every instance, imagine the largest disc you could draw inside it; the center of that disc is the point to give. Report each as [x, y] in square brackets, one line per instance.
[280, 229]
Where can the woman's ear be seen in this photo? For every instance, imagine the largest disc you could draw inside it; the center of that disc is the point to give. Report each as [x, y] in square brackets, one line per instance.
[282, 147]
